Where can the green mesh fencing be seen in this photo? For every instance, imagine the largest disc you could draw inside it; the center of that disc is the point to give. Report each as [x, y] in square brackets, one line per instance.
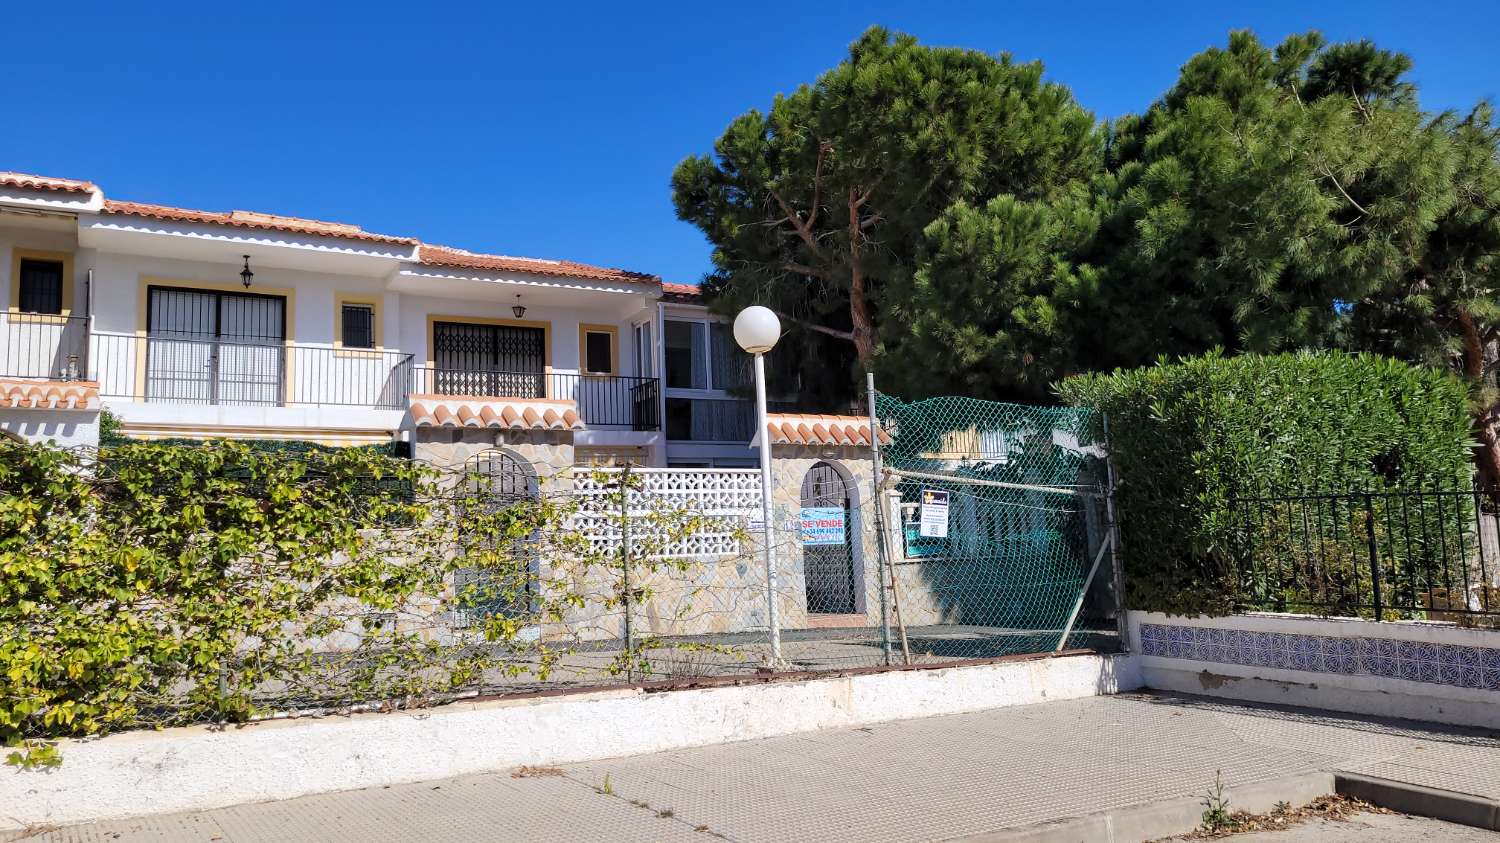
[1026, 517]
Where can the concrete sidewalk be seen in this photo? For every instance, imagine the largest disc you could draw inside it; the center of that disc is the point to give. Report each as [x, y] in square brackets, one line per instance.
[932, 779]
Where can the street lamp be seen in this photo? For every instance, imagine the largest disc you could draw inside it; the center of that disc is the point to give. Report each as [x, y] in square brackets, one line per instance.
[756, 330]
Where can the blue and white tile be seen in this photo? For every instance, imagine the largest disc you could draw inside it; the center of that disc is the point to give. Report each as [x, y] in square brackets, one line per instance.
[1489, 658]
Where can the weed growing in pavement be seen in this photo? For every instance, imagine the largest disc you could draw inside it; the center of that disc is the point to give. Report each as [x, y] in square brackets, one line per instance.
[1216, 814]
[1332, 808]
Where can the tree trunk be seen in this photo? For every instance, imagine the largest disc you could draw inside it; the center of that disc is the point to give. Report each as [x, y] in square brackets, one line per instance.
[859, 306]
[1486, 416]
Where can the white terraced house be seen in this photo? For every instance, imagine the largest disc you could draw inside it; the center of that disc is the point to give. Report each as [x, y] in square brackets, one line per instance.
[238, 324]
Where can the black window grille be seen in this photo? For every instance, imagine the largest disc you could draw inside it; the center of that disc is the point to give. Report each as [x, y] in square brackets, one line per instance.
[359, 326]
[41, 286]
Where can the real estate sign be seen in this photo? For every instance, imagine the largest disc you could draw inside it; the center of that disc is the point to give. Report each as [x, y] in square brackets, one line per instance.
[933, 519]
[823, 525]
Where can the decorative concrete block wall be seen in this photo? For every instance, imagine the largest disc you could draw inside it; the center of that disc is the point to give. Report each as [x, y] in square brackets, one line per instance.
[722, 593]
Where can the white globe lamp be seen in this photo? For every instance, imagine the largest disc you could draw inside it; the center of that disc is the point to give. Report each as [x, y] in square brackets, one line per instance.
[757, 329]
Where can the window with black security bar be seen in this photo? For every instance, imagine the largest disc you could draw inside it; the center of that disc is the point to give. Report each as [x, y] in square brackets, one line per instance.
[41, 286]
[359, 326]
[210, 347]
[492, 360]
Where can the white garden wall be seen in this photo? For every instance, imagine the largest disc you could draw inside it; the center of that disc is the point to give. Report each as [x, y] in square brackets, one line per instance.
[1409, 669]
[198, 768]
[65, 428]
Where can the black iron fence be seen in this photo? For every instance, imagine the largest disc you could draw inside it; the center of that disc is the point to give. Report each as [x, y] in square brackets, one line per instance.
[608, 401]
[39, 345]
[1423, 553]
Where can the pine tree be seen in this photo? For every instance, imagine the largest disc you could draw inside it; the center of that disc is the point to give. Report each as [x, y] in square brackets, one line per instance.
[819, 207]
[1301, 198]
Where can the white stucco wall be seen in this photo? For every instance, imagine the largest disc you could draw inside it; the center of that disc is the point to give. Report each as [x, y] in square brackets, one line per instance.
[312, 272]
[51, 237]
[117, 302]
[564, 322]
[66, 428]
[197, 768]
[117, 290]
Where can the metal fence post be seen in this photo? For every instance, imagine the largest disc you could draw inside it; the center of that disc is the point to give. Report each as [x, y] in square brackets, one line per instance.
[625, 568]
[1374, 553]
[1116, 564]
[883, 541]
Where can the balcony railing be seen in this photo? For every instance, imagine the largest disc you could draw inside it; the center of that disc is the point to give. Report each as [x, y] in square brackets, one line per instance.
[268, 374]
[208, 371]
[38, 345]
[604, 401]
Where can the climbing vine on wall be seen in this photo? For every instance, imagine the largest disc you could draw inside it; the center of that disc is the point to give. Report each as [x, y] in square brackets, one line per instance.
[149, 584]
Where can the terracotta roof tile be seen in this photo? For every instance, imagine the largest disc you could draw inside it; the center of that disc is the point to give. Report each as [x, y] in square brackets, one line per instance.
[500, 413]
[449, 256]
[682, 293]
[24, 394]
[803, 429]
[429, 255]
[27, 181]
[252, 219]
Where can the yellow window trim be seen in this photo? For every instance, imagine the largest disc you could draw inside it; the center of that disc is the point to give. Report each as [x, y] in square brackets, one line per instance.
[65, 258]
[584, 329]
[143, 298]
[374, 302]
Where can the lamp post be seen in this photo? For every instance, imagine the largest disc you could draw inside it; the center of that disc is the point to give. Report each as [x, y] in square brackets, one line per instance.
[757, 329]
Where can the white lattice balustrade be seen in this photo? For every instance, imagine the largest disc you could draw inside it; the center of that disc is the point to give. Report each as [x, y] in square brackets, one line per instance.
[657, 499]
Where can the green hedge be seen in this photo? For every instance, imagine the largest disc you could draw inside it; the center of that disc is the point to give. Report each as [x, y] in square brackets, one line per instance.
[1186, 437]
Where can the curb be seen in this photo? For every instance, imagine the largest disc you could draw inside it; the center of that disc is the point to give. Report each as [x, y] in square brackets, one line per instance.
[1446, 805]
[1165, 818]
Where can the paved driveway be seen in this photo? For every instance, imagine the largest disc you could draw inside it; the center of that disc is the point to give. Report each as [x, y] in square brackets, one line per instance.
[915, 780]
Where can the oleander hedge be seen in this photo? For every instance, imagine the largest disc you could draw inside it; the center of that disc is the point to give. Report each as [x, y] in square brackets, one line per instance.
[1187, 437]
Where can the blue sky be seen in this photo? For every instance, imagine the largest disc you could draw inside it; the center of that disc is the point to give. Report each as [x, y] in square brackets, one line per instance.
[551, 130]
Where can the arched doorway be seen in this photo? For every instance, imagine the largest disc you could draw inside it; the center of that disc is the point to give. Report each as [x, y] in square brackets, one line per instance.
[495, 481]
[828, 553]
